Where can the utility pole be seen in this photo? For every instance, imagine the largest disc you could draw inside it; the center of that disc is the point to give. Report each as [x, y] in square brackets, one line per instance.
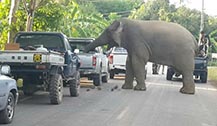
[202, 17]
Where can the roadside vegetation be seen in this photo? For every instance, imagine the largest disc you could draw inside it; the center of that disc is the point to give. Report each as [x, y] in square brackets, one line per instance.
[88, 18]
[212, 74]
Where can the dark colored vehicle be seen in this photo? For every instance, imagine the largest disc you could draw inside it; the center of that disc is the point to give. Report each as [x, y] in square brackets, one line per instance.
[199, 71]
[45, 62]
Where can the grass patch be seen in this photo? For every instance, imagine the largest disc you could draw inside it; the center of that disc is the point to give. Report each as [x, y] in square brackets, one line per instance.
[212, 73]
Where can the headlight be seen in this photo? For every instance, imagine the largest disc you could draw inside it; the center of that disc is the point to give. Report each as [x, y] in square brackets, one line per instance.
[5, 70]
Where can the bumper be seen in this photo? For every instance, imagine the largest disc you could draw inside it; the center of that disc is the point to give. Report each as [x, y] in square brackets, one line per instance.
[118, 68]
[198, 71]
[87, 72]
[3, 101]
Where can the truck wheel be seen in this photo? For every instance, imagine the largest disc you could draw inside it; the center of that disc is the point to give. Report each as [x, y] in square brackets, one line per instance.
[203, 77]
[56, 89]
[97, 80]
[169, 74]
[7, 114]
[74, 85]
[105, 78]
[112, 74]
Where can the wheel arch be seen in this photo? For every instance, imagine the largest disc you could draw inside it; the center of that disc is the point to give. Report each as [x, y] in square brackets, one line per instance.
[56, 70]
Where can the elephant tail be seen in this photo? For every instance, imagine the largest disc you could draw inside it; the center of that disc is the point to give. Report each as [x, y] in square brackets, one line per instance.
[196, 49]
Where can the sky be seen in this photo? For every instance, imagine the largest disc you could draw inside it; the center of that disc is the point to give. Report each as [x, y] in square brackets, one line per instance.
[210, 6]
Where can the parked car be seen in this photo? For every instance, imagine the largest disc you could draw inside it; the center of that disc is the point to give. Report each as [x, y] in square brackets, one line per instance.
[8, 96]
[94, 64]
[200, 70]
[117, 61]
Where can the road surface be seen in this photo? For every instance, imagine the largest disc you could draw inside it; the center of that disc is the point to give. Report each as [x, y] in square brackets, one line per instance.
[160, 105]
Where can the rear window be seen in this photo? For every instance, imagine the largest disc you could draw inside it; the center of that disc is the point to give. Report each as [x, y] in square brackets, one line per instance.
[78, 45]
[51, 42]
[120, 50]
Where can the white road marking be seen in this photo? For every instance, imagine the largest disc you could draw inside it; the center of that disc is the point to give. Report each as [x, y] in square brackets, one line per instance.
[120, 116]
[205, 124]
[171, 85]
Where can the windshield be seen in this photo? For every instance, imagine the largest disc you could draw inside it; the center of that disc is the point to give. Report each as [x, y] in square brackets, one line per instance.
[51, 42]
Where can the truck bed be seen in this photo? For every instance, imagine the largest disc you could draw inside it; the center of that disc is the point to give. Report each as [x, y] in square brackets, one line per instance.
[27, 56]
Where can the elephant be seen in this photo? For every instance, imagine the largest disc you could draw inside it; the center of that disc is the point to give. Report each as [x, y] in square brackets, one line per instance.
[160, 42]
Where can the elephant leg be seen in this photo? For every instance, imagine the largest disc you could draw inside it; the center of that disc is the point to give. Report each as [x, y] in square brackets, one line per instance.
[129, 75]
[188, 83]
[139, 72]
[186, 70]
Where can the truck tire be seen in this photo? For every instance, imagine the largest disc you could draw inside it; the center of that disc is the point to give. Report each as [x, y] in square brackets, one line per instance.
[56, 89]
[105, 78]
[74, 85]
[97, 80]
[203, 77]
[169, 74]
[7, 114]
[112, 74]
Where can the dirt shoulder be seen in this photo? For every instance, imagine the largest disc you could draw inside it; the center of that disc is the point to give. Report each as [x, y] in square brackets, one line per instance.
[213, 82]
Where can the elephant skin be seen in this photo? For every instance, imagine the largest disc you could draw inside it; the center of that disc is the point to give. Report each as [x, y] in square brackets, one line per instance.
[155, 41]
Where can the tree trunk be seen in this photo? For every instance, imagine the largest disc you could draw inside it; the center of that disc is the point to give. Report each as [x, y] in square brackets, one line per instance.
[12, 19]
[30, 16]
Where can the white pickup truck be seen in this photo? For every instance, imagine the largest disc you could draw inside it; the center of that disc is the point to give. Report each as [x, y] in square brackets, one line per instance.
[117, 61]
[94, 64]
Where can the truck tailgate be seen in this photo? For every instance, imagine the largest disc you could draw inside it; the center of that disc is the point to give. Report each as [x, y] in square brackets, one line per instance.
[119, 59]
[86, 60]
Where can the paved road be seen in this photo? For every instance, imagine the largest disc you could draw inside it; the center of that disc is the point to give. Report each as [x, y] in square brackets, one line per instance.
[160, 105]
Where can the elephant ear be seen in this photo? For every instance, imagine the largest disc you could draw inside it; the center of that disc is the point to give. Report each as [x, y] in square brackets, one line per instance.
[116, 29]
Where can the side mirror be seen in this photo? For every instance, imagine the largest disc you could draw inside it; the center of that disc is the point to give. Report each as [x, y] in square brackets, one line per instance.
[5, 70]
[76, 51]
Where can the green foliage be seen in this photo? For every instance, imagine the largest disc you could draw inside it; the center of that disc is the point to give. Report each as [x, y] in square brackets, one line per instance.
[121, 7]
[88, 18]
[152, 10]
[212, 63]
[191, 22]
[4, 27]
[47, 19]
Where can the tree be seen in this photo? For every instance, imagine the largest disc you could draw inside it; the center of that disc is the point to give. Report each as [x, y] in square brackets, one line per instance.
[150, 10]
[121, 7]
[12, 19]
[30, 7]
[4, 27]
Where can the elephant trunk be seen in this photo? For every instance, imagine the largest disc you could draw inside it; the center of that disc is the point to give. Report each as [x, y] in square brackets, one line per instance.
[98, 42]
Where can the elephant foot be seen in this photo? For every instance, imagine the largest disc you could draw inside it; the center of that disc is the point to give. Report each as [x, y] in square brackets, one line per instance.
[140, 87]
[187, 90]
[127, 86]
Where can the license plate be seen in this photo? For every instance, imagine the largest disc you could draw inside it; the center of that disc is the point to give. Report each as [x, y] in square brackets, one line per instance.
[37, 57]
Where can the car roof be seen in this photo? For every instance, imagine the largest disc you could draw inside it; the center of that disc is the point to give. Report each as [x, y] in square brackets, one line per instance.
[81, 39]
[37, 32]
